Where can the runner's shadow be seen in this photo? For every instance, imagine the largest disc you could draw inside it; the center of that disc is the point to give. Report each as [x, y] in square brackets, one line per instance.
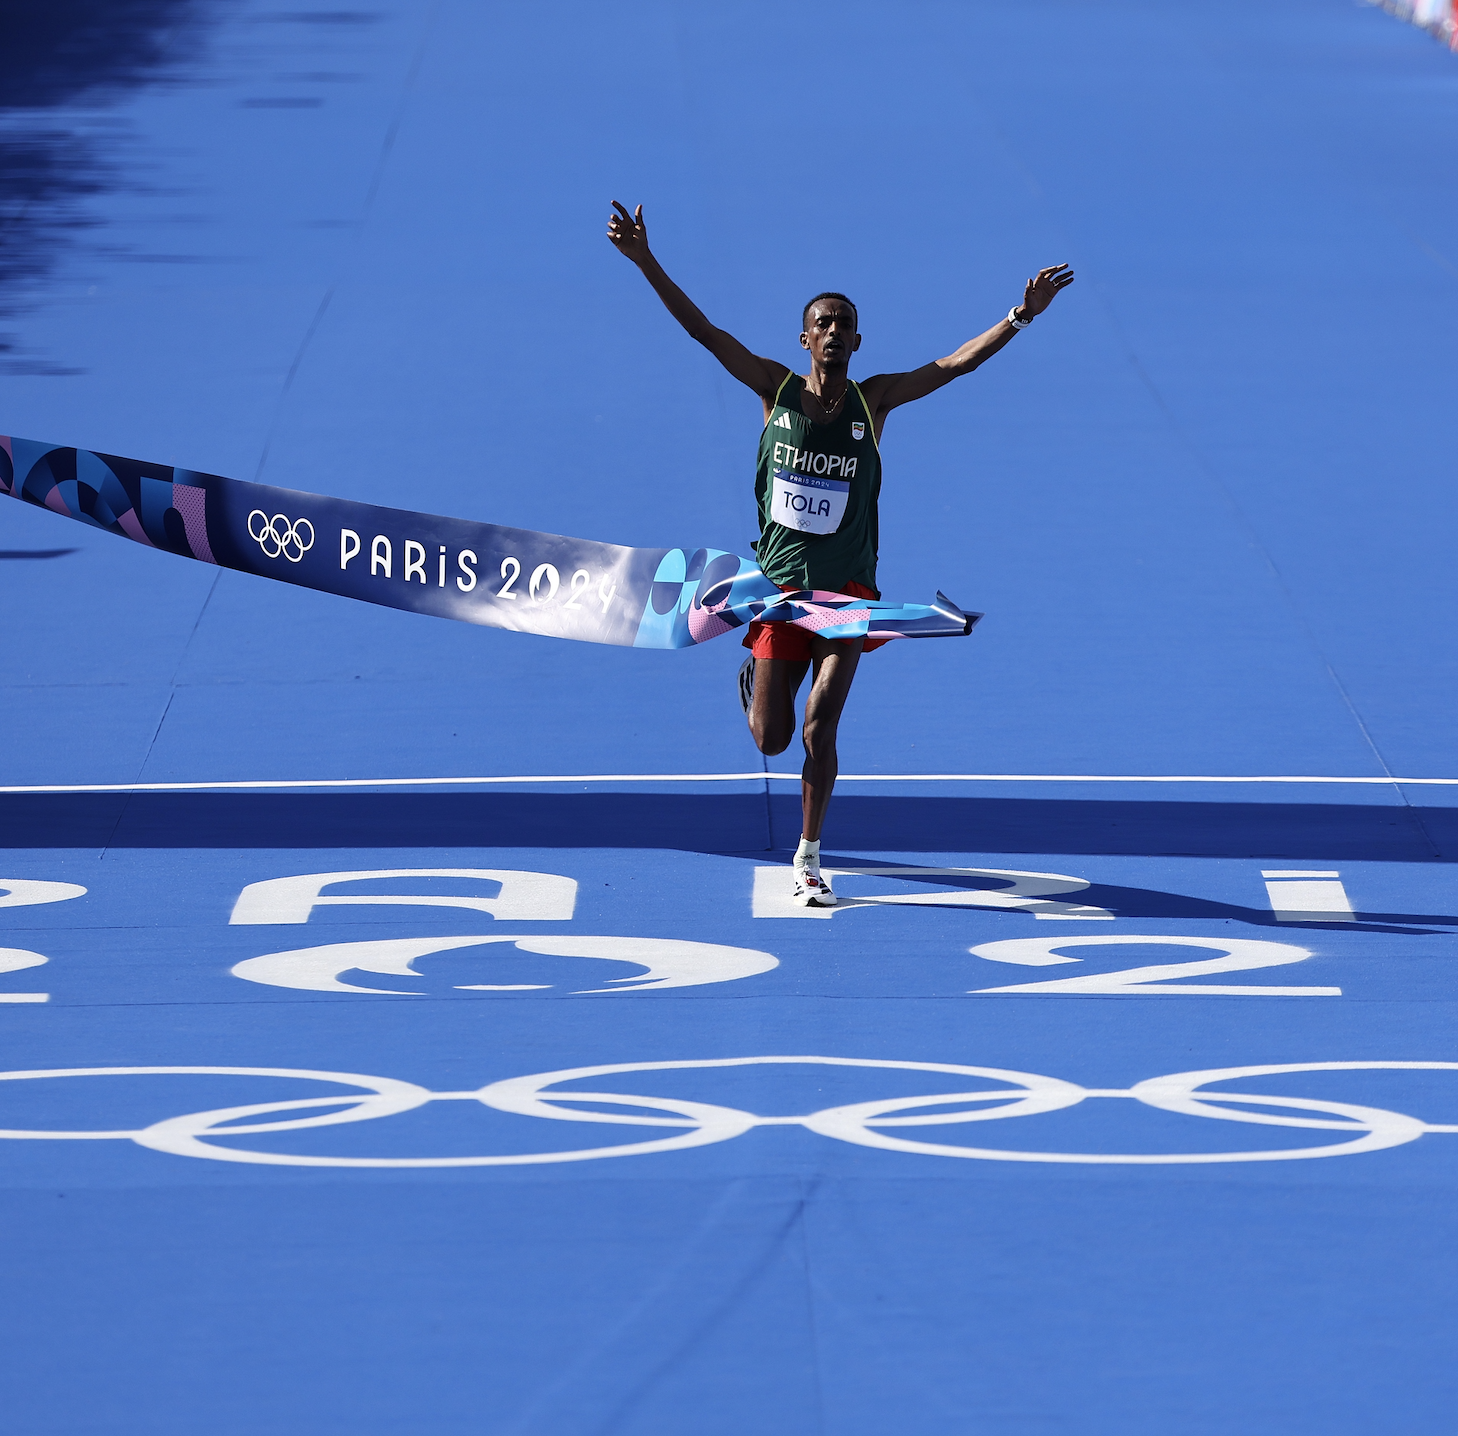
[1147, 902]
[1126, 902]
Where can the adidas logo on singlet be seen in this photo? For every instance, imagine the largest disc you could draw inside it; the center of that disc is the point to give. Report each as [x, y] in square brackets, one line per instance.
[783, 422]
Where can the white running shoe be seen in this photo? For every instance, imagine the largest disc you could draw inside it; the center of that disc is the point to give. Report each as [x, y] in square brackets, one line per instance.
[746, 684]
[812, 890]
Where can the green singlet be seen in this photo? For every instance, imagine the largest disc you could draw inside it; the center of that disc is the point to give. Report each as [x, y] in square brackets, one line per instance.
[817, 487]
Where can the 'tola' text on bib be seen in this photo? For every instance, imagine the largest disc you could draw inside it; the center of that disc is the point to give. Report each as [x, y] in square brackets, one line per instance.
[807, 503]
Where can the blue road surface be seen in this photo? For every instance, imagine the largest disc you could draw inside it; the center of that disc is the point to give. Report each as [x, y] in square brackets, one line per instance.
[406, 1032]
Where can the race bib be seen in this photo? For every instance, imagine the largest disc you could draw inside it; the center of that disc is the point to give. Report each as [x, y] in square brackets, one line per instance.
[808, 503]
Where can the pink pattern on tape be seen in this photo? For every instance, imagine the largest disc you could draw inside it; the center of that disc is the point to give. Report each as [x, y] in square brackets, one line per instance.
[132, 528]
[817, 618]
[704, 625]
[191, 503]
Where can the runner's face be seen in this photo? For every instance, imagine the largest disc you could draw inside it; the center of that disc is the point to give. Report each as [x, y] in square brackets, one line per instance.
[830, 333]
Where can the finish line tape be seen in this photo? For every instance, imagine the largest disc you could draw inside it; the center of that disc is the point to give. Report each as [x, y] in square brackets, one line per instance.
[449, 568]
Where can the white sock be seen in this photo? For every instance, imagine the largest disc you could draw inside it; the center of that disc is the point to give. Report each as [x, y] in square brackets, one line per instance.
[808, 852]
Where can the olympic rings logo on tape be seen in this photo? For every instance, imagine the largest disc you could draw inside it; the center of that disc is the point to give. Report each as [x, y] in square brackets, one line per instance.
[887, 1123]
[280, 535]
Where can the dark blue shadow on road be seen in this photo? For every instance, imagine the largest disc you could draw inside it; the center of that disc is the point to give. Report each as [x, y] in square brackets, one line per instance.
[727, 823]
[740, 824]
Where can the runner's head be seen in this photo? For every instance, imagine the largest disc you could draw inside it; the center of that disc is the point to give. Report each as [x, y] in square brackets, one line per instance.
[830, 330]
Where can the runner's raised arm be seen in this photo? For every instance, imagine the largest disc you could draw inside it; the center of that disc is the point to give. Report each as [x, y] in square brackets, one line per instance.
[885, 392]
[630, 237]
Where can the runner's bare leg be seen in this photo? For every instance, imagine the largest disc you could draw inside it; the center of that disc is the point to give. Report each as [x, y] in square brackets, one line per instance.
[772, 712]
[835, 668]
[772, 717]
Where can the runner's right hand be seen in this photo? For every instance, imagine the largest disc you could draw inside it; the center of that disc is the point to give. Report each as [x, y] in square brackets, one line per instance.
[1044, 288]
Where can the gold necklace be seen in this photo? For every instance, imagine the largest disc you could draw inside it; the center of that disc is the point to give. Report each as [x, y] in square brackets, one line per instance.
[830, 408]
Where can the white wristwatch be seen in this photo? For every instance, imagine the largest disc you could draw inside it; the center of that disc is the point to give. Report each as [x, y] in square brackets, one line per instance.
[1012, 318]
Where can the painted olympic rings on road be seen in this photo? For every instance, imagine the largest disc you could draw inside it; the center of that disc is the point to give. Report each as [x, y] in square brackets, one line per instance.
[280, 535]
[875, 1124]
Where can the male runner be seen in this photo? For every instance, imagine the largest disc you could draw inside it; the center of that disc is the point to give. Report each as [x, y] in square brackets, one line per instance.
[817, 485]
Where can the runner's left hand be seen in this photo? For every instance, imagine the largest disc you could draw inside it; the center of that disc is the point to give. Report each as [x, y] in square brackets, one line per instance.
[628, 232]
[1039, 293]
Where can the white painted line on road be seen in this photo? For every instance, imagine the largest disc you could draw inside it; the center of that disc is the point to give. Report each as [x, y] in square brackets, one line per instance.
[501, 779]
[1309, 901]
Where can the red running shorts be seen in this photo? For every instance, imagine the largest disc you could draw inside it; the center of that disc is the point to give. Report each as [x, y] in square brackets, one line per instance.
[785, 640]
